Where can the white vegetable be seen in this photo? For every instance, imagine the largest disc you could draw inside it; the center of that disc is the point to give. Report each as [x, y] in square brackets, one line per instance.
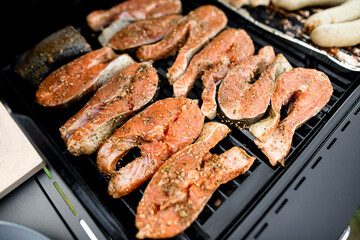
[348, 11]
[239, 3]
[251, 3]
[292, 5]
[337, 35]
[255, 3]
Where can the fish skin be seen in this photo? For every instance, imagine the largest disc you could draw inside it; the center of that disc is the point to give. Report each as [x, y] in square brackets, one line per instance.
[58, 48]
[125, 93]
[188, 37]
[306, 91]
[143, 32]
[158, 131]
[81, 77]
[241, 101]
[133, 10]
[180, 189]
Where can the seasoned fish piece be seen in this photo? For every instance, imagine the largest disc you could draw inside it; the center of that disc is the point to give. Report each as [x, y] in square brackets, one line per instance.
[132, 10]
[54, 50]
[241, 100]
[143, 32]
[159, 131]
[210, 79]
[308, 91]
[182, 186]
[263, 128]
[111, 30]
[125, 93]
[231, 46]
[190, 35]
[80, 77]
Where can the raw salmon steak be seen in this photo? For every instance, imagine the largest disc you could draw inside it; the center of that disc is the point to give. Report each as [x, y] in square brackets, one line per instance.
[182, 186]
[158, 131]
[81, 77]
[242, 99]
[132, 10]
[55, 50]
[306, 92]
[125, 93]
[228, 48]
[189, 35]
[111, 30]
[143, 32]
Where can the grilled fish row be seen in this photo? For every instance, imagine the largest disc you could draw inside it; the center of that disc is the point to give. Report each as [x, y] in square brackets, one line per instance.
[244, 100]
[125, 93]
[249, 84]
[132, 10]
[68, 44]
[186, 35]
[81, 77]
[158, 131]
[306, 92]
[214, 62]
[182, 186]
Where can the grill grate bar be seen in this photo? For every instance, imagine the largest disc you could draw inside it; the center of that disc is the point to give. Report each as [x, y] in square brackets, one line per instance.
[222, 194]
[210, 208]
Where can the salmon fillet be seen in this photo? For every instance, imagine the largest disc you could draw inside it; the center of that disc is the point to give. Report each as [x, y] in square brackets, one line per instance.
[158, 131]
[231, 46]
[241, 100]
[132, 10]
[58, 48]
[125, 93]
[190, 35]
[210, 79]
[143, 32]
[182, 186]
[81, 77]
[263, 128]
[111, 30]
[306, 91]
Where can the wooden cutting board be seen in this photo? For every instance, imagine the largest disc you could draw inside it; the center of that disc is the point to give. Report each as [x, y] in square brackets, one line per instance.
[18, 158]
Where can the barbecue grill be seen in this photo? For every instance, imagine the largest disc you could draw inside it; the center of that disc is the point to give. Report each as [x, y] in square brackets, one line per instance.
[313, 197]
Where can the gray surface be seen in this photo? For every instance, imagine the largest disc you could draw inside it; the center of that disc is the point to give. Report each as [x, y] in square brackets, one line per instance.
[328, 178]
[13, 231]
[28, 205]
